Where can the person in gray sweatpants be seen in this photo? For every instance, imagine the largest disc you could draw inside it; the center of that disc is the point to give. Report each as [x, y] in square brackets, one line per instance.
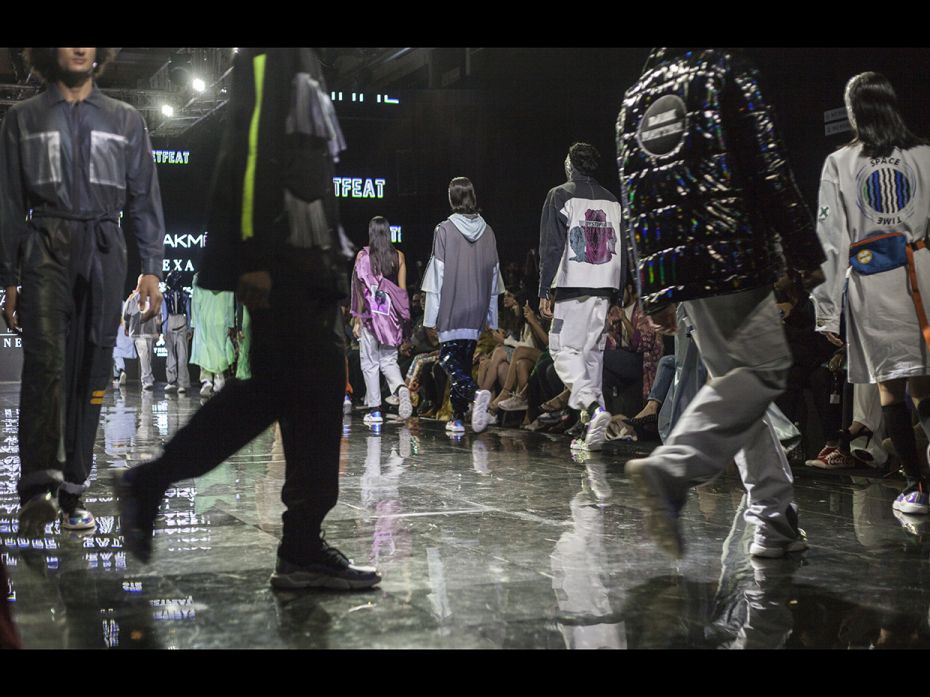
[176, 325]
[708, 195]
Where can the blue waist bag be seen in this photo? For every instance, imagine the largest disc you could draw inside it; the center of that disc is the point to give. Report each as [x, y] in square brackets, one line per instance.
[880, 253]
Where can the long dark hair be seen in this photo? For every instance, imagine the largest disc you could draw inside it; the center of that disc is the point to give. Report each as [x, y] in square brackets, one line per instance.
[874, 115]
[381, 253]
[462, 196]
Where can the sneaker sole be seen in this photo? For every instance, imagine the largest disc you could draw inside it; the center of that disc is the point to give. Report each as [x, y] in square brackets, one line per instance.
[81, 526]
[911, 509]
[405, 408]
[35, 516]
[307, 580]
[757, 550]
[827, 466]
[479, 411]
[915, 526]
[661, 523]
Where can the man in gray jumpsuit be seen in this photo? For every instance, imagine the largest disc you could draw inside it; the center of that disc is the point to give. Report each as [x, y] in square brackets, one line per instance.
[72, 162]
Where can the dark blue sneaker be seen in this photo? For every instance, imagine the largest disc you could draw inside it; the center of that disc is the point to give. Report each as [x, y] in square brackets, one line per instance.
[332, 570]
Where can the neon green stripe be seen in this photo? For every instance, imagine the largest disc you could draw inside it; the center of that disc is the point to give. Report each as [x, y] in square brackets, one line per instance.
[248, 193]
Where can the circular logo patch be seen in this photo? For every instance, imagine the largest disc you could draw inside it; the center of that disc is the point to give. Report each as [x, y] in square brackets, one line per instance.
[662, 128]
[864, 257]
[886, 191]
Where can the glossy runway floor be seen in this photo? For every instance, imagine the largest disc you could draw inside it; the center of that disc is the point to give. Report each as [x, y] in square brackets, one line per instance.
[495, 541]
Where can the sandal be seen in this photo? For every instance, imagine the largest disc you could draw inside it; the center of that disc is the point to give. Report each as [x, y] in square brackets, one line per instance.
[493, 406]
[644, 421]
[557, 403]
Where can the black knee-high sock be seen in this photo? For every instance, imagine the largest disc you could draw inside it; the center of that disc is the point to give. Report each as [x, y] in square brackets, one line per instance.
[899, 429]
[923, 415]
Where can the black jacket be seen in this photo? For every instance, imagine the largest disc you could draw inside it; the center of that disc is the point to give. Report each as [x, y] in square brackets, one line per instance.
[580, 261]
[709, 198]
[264, 162]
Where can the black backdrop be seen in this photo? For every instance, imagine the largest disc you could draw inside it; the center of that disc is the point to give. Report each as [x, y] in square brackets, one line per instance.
[508, 129]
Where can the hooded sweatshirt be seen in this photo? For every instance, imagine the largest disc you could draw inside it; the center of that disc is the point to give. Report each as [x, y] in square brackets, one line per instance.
[462, 280]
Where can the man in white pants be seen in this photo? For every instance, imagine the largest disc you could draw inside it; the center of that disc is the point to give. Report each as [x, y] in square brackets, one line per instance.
[581, 265]
[143, 334]
[707, 192]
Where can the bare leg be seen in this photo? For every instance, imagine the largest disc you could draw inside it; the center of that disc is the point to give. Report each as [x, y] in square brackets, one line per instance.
[523, 370]
[490, 377]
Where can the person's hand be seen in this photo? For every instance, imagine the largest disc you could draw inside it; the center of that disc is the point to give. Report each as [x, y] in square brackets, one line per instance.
[834, 339]
[785, 309]
[529, 315]
[254, 290]
[498, 336]
[9, 309]
[357, 328]
[836, 363]
[665, 320]
[544, 308]
[149, 297]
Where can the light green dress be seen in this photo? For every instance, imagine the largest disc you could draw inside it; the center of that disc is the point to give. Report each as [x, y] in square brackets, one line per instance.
[212, 314]
[244, 367]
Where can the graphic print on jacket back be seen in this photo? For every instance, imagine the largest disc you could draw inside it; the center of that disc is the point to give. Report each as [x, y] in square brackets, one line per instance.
[886, 190]
[593, 240]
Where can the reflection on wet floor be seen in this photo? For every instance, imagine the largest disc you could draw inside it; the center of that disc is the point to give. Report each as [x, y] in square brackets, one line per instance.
[499, 540]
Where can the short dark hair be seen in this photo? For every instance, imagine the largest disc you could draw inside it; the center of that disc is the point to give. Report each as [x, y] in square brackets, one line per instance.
[878, 125]
[44, 61]
[584, 158]
[462, 196]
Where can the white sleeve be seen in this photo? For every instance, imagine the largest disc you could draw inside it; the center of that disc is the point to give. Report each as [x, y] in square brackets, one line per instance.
[497, 288]
[432, 286]
[834, 238]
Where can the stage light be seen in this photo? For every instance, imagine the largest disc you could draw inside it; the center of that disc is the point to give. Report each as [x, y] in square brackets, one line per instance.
[167, 110]
[198, 84]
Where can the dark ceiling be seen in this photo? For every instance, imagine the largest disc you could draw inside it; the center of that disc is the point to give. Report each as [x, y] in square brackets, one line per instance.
[149, 78]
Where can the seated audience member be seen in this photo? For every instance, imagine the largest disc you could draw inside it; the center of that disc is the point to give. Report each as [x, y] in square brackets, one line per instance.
[633, 346]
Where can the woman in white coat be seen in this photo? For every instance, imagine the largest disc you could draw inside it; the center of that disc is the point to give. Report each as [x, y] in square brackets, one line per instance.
[872, 222]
